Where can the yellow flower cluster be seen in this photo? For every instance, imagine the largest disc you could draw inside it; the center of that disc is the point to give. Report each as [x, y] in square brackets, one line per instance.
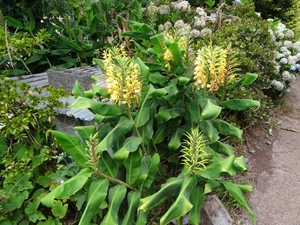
[193, 152]
[123, 76]
[182, 43]
[212, 68]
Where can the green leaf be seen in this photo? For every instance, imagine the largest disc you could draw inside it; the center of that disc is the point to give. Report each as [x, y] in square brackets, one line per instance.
[133, 199]
[34, 58]
[115, 198]
[78, 90]
[60, 52]
[107, 165]
[146, 131]
[222, 148]
[59, 209]
[182, 204]
[215, 169]
[209, 130]
[144, 170]
[227, 129]
[240, 104]
[153, 169]
[157, 78]
[209, 110]
[175, 141]
[123, 126]
[165, 114]
[161, 133]
[96, 195]
[67, 188]
[240, 164]
[31, 24]
[14, 22]
[158, 45]
[197, 200]
[85, 132]
[247, 79]
[236, 193]
[72, 43]
[133, 166]
[131, 144]
[170, 188]
[73, 146]
[98, 107]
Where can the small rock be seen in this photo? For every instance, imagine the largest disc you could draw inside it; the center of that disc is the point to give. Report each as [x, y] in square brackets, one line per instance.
[252, 151]
[268, 142]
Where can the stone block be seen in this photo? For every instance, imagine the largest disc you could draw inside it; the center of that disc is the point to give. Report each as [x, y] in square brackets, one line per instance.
[67, 78]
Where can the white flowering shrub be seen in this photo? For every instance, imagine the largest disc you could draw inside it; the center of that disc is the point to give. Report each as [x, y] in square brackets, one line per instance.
[190, 21]
[287, 56]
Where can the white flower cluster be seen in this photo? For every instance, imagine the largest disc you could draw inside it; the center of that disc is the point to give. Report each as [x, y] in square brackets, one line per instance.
[7, 117]
[287, 56]
[182, 6]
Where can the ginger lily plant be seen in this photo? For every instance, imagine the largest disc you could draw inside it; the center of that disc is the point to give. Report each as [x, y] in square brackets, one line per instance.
[153, 104]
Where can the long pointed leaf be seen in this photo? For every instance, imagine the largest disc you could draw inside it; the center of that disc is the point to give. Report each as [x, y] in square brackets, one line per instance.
[197, 200]
[97, 194]
[182, 205]
[240, 104]
[227, 129]
[107, 165]
[131, 144]
[73, 146]
[133, 199]
[133, 165]
[123, 126]
[172, 187]
[153, 169]
[115, 198]
[235, 192]
[67, 188]
[209, 110]
[98, 107]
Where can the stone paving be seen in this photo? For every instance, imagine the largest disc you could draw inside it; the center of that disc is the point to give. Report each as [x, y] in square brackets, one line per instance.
[276, 196]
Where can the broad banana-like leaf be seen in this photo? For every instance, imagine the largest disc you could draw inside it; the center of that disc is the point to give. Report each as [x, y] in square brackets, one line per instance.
[85, 132]
[175, 141]
[170, 188]
[67, 188]
[131, 144]
[142, 217]
[236, 193]
[133, 166]
[96, 195]
[161, 133]
[78, 90]
[133, 200]
[240, 164]
[227, 129]
[215, 169]
[146, 131]
[123, 126]
[197, 200]
[115, 197]
[73, 146]
[240, 104]
[157, 78]
[222, 148]
[144, 170]
[165, 114]
[107, 165]
[98, 107]
[158, 44]
[176, 52]
[247, 79]
[209, 109]
[144, 111]
[209, 130]
[153, 169]
[182, 205]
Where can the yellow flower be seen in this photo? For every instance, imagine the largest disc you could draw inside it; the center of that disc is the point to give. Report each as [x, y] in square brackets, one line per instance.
[214, 68]
[123, 76]
[193, 151]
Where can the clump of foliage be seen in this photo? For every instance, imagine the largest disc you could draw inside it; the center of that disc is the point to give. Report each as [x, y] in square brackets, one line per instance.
[161, 114]
[28, 157]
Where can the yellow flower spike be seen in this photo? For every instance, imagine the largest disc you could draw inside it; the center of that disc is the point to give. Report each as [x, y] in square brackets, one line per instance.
[193, 151]
[123, 76]
[214, 68]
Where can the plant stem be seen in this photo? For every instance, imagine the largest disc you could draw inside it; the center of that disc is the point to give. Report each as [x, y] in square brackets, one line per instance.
[115, 180]
[136, 129]
[25, 65]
